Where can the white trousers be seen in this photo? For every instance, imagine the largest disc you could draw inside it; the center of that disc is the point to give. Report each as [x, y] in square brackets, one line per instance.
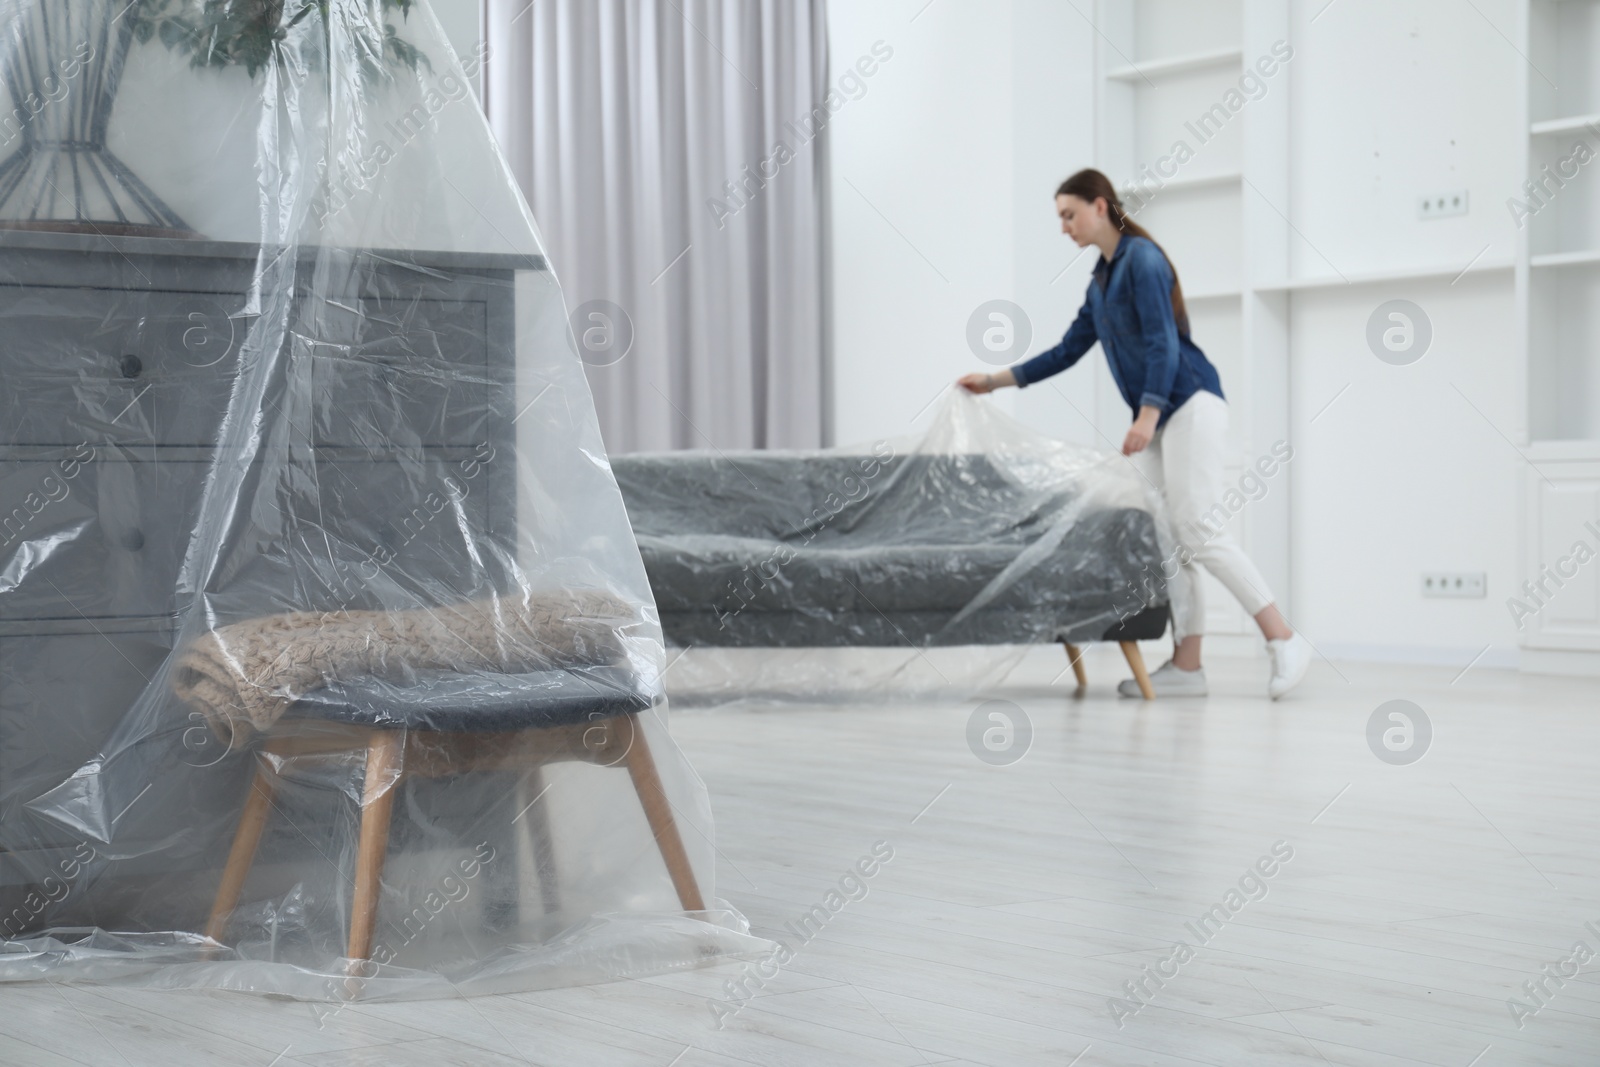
[1185, 461]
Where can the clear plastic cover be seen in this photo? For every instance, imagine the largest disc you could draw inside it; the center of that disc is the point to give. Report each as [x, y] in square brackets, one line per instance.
[328, 664]
[916, 567]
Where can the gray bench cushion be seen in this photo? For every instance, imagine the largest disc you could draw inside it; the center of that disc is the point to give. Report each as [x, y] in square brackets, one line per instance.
[453, 702]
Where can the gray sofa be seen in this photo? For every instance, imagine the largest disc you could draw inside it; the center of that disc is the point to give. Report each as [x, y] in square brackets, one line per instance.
[785, 550]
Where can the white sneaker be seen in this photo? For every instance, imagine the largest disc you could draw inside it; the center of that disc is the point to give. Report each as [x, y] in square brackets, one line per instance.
[1291, 658]
[1169, 681]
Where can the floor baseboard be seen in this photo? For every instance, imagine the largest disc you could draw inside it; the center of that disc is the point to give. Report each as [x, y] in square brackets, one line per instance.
[1568, 662]
[1425, 655]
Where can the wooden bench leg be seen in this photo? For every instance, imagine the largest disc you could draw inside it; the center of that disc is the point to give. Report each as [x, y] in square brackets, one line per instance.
[257, 806]
[1075, 657]
[377, 803]
[537, 812]
[647, 782]
[1135, 658]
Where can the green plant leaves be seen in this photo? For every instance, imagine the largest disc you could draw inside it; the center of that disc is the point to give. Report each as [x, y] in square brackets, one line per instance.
[399, 50]
[248, 33]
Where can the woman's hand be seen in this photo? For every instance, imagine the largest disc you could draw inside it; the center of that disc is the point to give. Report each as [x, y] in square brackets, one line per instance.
[986, 383]
[1141, 432]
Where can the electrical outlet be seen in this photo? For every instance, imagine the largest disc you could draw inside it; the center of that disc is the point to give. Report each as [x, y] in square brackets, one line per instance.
[1472, 584]
[1438, 205]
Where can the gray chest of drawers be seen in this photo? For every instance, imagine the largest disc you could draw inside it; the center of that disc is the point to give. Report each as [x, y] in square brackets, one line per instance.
[118, 358]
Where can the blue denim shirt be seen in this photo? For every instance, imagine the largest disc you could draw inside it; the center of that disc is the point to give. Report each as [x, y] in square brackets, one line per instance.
[1129, 311]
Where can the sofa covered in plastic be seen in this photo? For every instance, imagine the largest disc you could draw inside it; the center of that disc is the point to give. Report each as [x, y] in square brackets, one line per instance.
[887, 548]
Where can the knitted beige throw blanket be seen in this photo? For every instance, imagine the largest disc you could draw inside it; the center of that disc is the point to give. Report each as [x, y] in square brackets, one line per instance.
[243, 676]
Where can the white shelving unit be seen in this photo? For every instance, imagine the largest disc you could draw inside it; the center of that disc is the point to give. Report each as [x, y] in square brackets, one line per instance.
[1570, 124]
[1558, 304]
[1152, 70]
[1566, 259]
[1449, 271]
[1162, 64]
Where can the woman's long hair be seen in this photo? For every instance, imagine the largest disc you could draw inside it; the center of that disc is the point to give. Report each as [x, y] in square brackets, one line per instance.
[1089, 185]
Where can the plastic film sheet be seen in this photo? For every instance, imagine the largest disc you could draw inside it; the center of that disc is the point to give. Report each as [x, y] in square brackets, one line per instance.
[328, 664]
[922, 566]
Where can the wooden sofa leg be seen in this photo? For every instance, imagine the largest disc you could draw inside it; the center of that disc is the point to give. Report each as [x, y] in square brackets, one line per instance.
[1075, 657]
[1135, 658]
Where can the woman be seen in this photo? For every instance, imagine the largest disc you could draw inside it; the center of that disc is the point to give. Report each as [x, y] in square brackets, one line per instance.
[1135, 310]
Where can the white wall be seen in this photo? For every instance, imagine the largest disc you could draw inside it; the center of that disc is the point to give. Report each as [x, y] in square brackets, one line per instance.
[939, 205]
[921, 203]
[1410, 469]
[462, 21]
[1053, 84]
[1391, 101]
[987, 106]
[1400, 475]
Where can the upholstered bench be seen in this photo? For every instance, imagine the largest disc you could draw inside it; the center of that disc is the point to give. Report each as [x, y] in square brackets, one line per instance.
[442, 723]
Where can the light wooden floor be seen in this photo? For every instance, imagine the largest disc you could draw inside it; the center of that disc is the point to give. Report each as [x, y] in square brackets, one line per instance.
[1418, 900]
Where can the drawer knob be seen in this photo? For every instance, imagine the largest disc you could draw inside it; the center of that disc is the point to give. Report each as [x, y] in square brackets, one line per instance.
[133, 540]
[130, 366]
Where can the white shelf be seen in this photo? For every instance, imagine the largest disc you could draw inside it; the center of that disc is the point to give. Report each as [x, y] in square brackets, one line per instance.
[1167, 68]
[1407, 274]
[1566, 125]
[1182, 183]
[1566, 259]
[1578, 450]
[1211, 294]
